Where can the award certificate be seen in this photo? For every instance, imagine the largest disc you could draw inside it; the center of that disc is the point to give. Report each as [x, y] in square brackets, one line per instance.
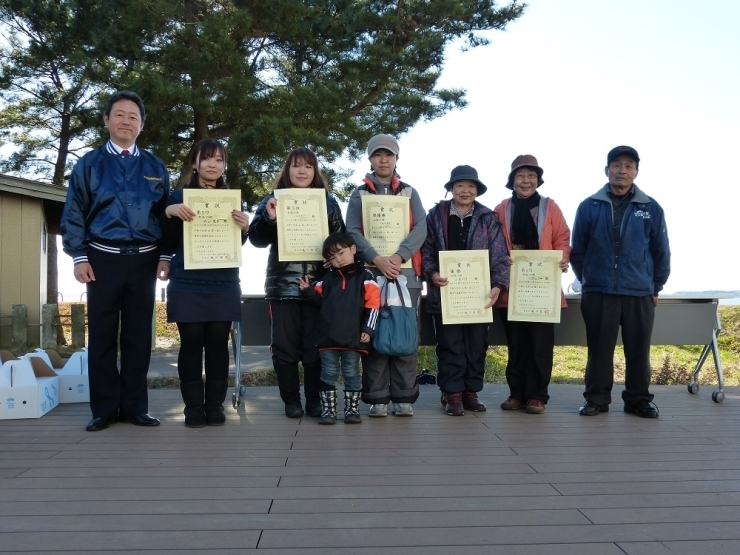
[302, 224]
[469, 287]
[385, 223]
[212, 239]
[534, 291]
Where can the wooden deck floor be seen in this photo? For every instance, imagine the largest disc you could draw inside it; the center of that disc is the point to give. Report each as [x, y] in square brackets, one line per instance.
[489, 483]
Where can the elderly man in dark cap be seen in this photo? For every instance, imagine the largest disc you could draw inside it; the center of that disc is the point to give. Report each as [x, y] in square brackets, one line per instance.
[462, 224]
[622, 258]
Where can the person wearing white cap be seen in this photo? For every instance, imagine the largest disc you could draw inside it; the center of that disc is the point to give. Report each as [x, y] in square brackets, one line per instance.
[385, 378]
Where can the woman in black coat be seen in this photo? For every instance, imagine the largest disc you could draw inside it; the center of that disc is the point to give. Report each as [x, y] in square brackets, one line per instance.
[293, 321]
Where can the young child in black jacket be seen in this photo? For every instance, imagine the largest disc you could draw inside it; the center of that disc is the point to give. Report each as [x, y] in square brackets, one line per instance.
[349, 300]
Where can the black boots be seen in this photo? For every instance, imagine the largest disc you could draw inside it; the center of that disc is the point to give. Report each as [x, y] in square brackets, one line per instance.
[328, 407]
[311, 386]
[192, 395]
[290, 389]
[204, 405]
[352, 407]
[215, 395]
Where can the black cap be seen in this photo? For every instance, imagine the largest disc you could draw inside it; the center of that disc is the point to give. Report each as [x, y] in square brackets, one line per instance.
[622, 151]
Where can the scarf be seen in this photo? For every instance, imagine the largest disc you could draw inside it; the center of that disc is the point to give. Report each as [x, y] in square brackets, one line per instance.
[523, 228]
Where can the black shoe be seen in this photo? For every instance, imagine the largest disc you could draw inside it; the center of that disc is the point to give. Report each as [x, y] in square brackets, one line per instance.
[293, 410]
[589, 408]
[139, 419]
[100, 423]
[643, 409]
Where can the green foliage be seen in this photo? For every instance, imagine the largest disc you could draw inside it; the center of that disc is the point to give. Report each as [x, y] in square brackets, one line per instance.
[729, 337]
[263, 76]
[46, 91]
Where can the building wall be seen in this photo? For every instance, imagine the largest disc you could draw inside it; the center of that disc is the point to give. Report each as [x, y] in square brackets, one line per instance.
[22, 261]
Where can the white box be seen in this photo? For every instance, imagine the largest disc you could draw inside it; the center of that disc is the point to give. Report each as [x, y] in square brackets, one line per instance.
[28, 389]
[50, 357]
[74, 385]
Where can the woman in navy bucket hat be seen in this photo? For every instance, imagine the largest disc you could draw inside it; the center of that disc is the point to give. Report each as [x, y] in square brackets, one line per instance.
[462, 224]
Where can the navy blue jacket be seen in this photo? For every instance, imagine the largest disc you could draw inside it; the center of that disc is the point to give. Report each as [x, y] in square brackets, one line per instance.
[221, 280]
[643, 263]
[114, 201]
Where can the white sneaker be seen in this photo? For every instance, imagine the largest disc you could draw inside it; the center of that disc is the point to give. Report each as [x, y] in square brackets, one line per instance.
[378, 410]
[403, 409]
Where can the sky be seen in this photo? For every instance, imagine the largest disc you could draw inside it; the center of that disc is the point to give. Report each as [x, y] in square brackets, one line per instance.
[567, 82]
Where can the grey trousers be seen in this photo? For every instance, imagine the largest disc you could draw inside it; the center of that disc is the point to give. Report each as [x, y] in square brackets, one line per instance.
[387, 378]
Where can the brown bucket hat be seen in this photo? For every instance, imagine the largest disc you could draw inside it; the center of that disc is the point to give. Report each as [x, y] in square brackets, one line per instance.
[524, 161]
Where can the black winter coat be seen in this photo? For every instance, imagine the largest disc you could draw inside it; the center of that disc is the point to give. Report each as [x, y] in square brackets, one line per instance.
[348, 300]
[282, 278]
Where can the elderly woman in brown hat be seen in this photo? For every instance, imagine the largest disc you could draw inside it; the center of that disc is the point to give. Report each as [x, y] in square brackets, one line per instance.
[530, 221]
[462, 224]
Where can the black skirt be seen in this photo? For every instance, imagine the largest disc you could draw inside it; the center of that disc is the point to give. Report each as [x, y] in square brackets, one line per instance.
[190, 307]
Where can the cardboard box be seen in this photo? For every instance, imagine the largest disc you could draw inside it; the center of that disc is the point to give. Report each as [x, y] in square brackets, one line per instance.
[52, 358]
[29, 388]
[5, 356]
[74, 385]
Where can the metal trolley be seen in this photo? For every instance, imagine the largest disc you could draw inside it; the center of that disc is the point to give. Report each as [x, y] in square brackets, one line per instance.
[711, 347]
[236, 343]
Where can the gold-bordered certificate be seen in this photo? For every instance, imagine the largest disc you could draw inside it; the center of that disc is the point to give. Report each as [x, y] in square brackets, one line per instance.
[534, 290]
[213, 239]
[468, 292]
[385, 223]
[302, 224]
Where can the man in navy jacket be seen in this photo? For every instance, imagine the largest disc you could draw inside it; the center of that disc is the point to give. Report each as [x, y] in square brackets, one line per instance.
[622, 258]
[110, 227]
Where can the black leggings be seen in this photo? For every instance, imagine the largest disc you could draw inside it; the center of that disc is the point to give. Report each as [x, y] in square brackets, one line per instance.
[213, 337]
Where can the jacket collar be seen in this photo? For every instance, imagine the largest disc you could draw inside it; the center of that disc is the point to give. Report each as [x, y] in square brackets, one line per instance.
[349, 269]
[603, 195]
[374, 184]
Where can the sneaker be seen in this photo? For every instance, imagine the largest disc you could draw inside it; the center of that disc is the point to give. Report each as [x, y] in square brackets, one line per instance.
[378, 410]
[403, 409]
[535, 406]
[512, 404]
[643, 409]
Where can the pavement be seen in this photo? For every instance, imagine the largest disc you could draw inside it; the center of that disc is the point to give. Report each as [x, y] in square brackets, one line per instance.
[164, 364]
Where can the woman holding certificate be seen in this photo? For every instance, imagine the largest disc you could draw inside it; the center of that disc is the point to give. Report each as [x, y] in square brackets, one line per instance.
[292, 319]
[530, 222]
[202, 302]
[463, 224]
[388, 223]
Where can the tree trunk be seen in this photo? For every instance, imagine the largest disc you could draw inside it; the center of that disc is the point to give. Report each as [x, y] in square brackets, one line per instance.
[52, 268]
